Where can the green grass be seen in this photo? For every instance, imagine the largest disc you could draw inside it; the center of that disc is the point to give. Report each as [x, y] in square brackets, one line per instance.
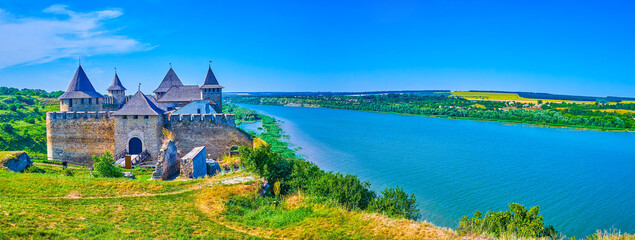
[254, 211]
[163, 217]
[5, 155]
[51, 205]
[54, 184]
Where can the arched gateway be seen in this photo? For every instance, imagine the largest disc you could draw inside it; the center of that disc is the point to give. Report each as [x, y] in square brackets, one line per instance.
[135, 146]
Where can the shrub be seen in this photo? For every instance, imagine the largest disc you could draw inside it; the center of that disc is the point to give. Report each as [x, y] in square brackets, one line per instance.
[346, 190]
[105, 166]
[167, 135]
[33, 169]
[519, 222]
[268, 164]
[395, 202]
[68, 172]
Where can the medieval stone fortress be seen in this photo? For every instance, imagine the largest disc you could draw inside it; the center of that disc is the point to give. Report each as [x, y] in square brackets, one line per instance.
[90, 123]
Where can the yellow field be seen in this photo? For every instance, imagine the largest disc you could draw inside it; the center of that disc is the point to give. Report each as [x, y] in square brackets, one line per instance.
[504, 97]
[620, 111]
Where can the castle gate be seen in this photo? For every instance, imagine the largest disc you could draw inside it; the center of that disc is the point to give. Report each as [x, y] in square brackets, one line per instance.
[135, 146]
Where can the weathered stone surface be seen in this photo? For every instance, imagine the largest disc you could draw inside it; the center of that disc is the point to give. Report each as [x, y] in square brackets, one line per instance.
[213, 167]
[168, 165]
[193, 164]
[218, 138]
[129, 175]
[77, 136]
[18, 162]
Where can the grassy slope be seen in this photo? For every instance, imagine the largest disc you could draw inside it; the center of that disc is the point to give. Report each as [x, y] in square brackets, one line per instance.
[53, 205]
[59, 208]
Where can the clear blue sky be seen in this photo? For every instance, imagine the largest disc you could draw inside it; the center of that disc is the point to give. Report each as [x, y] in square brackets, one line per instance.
[569, 47]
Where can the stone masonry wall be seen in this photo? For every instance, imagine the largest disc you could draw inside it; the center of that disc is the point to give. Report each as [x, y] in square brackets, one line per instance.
[193, 164]
[76, 136]
[217, 132]
[148, 130]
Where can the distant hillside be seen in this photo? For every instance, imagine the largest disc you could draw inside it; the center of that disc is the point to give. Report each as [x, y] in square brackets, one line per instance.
[23, 119]
[332, 93]
[532, 95]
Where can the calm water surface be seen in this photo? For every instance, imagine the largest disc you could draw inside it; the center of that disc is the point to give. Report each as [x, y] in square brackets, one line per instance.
[582, 180]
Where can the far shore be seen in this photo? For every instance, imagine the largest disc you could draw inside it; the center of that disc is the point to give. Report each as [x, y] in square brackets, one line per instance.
[510, 123]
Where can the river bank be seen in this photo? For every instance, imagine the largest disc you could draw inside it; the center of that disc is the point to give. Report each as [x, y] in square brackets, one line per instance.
[440, 157]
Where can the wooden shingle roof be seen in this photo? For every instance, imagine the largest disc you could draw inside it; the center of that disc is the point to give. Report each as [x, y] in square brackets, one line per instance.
[116, 84]
[170, 80]
[185, 93]
[80, 87]
[139, 104]
[210, 80]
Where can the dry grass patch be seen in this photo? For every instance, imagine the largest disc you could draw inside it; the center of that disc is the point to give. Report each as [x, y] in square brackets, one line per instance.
[311, 220]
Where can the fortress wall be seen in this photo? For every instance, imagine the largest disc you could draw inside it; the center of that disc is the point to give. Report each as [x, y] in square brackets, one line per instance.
[217, 132]
[76, 136]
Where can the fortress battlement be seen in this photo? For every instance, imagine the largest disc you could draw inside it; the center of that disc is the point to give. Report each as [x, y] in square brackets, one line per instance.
[227, 119]
[61, 116]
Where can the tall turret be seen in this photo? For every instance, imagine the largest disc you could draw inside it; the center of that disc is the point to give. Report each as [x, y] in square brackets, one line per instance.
[212, 91]
[117, 91]
[170, 80]
[80, 95]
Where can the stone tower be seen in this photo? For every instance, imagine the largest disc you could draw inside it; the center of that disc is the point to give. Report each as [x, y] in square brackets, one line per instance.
[138, 126]
[212, 91]
[170, 80]
[80, 95]
[117, 91]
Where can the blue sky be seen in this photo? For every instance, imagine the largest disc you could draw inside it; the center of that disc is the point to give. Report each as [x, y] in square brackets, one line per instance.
[568, 47]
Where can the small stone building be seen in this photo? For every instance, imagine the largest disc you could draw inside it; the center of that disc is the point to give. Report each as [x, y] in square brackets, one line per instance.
[193, 164]
[90, 124]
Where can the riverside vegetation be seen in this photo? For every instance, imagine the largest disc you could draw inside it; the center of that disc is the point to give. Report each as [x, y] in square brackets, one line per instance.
[600, 115]
[304, 202]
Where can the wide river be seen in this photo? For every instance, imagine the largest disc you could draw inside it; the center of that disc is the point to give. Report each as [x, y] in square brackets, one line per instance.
[582, 180]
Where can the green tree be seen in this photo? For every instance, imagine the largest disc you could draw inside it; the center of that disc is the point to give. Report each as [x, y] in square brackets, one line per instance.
[518, 222]
[105, 166]
[395, 202]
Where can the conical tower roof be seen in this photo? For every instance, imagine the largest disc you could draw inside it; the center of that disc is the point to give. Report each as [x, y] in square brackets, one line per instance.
[80, 87]
[139, 104]
[210, 80]
[116, 84]
[170, 80]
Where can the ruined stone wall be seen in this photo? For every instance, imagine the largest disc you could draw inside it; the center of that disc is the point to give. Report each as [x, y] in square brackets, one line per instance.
[76, 136]
[217, 132]
[146, 128]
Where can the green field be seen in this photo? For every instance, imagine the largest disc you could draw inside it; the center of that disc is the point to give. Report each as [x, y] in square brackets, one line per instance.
[494, 96]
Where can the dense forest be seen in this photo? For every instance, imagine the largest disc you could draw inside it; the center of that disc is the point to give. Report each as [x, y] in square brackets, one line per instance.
[601, 116]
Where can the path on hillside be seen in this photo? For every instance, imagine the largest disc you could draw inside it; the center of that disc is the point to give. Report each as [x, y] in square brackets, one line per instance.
[227, 181]
[60, 165]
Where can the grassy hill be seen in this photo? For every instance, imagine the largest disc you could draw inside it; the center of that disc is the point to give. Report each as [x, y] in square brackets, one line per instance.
[34, 206]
